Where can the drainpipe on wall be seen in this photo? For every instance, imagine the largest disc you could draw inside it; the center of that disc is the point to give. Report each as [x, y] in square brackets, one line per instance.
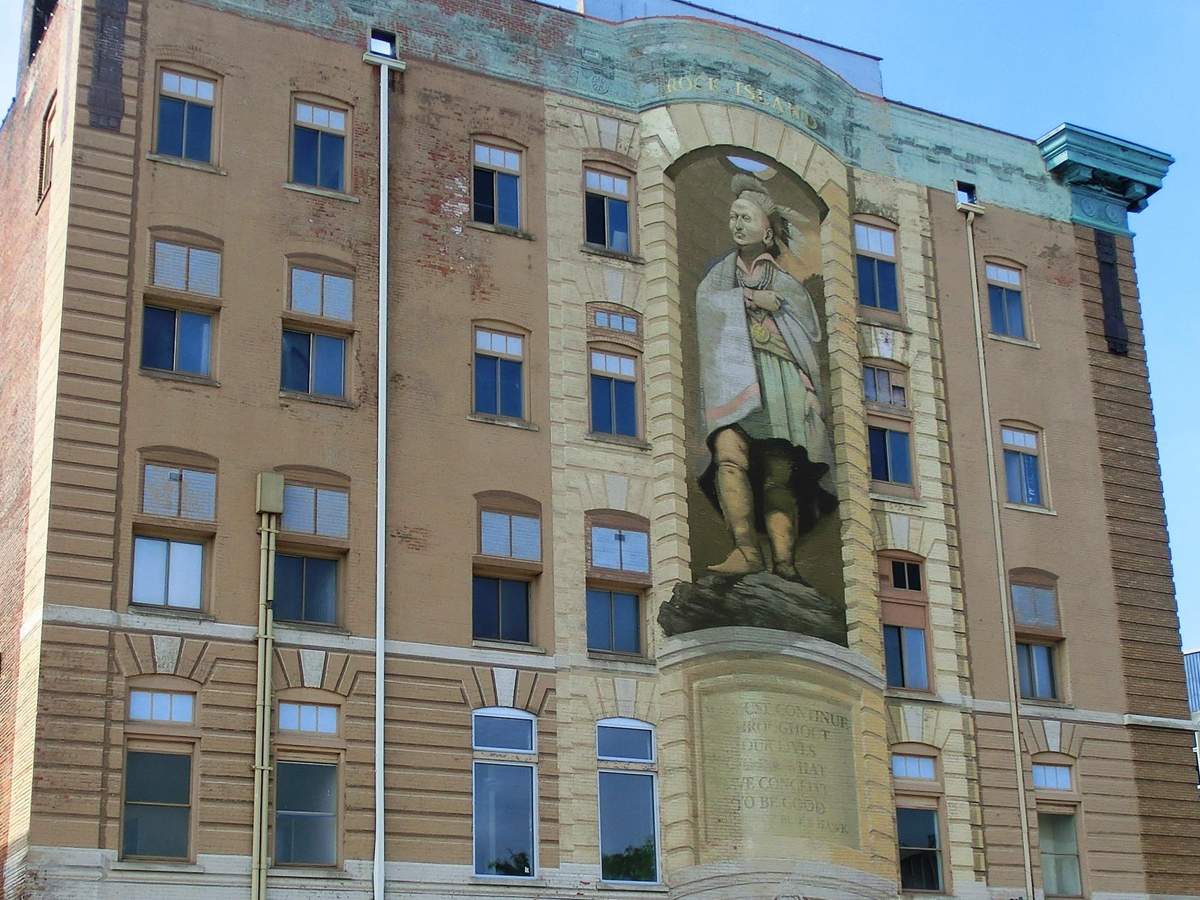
[382, 52]
[972, 210]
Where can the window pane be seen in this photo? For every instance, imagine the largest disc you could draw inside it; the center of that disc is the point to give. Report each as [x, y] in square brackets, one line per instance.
[339, 297]
[893, 656]
[158, 338]
[606, 548]
[526, 537]
[625, 403]
[1059, 854]
[1013, 489]
[901, 466]
[599, 619]
[289, 587]
[495, 534]
[618, 225]
[626, 623]
[181, 707]
[157, 777]
[308, 717]
[195, 343]
[139, 705]
[306, 817]
[920, 862]
[915, 673]
[1032, 479]
[170, 126]
[332, 161]
[503, 820]
[306, 291]
[330, 365]
[917, 828]
[204, 272]
[320, 590]
[160, 706]
[1034, 606]
[333, 511]
[160, 490]
[877, 438]
[185, 575]
[199, 495]
[912, 572]
[299, 508]
[486, 374]
[485, 199]
[1025, 670]
[304, 155]
[627, 842]
[507, 205]
[170, 265]
[889, 298]
[617, 742]
[149, 571]
[865, 267]
[295, 358]
[996, 309]
[1043, 671]
[1016, 315]
[198, 140]
[602, 404]
[514, 610]
[593, 219]
[485, 608]
[869, 378]
[503, 733]
[157, 831]
[511, 393]
[326, 720]
[1051, 777]
[289, 716]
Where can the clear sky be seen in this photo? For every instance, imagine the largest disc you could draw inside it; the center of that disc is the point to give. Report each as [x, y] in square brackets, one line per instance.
[1129, 69]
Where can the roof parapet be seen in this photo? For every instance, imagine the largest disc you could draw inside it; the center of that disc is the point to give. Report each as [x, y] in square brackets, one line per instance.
[1108, 177]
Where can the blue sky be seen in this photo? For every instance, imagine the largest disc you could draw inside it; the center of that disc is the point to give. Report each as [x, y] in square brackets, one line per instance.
[1025, 66]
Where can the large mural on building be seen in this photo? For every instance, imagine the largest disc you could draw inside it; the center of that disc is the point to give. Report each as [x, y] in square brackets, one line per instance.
[761, 502]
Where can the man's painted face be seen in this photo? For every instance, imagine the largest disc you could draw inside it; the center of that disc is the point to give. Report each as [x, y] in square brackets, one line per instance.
[748, 223]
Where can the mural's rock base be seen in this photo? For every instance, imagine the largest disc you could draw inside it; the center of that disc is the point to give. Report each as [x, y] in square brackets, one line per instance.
[760, 600]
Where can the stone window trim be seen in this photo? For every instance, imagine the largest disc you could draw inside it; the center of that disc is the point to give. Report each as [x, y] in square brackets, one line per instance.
[1041, 451]
[1038, 578]
[335, 104]
[909, 799]
[898, 420]
[616, 579]
[183, 67]
[515, 330]
[522, 171]
[1022, 271]
[604, 343]
[46, 158]
[286, 751]
[510, 503]
[625, 340]
[610, 163]
[176, 745]
[932, 787]
[873, 313]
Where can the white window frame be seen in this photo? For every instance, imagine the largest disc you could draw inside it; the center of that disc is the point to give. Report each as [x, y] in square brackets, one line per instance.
[167, 604]
[505, 712]
[652, 774]
[535, 862]
[633, 725]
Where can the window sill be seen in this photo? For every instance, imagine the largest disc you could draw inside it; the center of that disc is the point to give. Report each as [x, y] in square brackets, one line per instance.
[186, 164]
[319, 323]
[888, 410]
[507, 421]
[198, 527]
[332, 873]
[617, 440]
[505, 565]
[1037, 510]
[317, 398]
[319, 192]
[299, 540]
[172, 612]
[619, 656]
[511, 646]
[656, 887]
[1020, 342]
[501, 229]
[514, 881]
[148, 865]
[597, 250]
[889, 320]
[181, 377]
[887, 497]
[180, 298]
[315, 627]
[1043, 704]
[903, 693]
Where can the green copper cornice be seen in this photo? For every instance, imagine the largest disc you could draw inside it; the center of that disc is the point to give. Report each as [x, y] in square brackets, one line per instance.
[1108, 177]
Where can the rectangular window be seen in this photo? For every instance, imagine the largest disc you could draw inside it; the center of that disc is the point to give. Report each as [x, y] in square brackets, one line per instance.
[904, 652]
[920, 854]
[160, 706]
[499, 382]
[179, 492]
[314, 510]
[167, 573]
[510, 535]
[502, 733]
[158, 805]
[625, 551]
[319, 146]
[185, 116]
[305, 814]
[919, 767]
[313, 364]
[1051, 778]
[906, 576]
[310, 717]
[1035, 606]
[504, 809]
[613, 621]
[884, 386]
[890, 459]
[1004, 301]
[1035, 668]
[606, 210]
[175, 340]
[183, 268]
[628, 844]
[614, 394]
[497, 184]
[875, 264]
[615, 321]
[1022, 472]
[306, 589]
[1059, 850]
[500, 609]
[625, 744]
[321, 294]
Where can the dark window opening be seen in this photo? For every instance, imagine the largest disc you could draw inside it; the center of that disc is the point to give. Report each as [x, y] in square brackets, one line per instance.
[43, 12]
[964, 192]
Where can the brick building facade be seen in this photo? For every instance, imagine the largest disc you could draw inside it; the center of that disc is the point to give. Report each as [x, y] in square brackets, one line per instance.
[891, 613]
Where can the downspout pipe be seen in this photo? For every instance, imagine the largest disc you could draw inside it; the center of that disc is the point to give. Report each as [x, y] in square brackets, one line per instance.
[972, 210]
[386, 64]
